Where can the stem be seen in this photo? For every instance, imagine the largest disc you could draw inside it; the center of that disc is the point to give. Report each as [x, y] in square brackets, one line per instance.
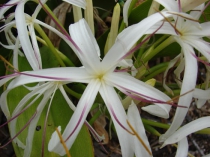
[166, 126]
[150, 54]
[145, 45]
[151, 129]
[95, 116]
[71, 92]
[49, 43]
[62, 56]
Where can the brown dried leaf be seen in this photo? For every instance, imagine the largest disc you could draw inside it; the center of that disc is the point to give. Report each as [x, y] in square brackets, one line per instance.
[99, 126]
[60, 13]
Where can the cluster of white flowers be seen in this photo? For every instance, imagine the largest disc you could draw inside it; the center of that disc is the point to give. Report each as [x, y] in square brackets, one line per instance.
[102, 78]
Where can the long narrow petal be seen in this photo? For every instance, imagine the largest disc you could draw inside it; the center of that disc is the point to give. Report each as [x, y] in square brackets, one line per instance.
[83, 37]
[197, 12]
[200, 45]
[127, 38]
[118, 116]
[125, 11]
[201, 94]
[35, 45]
[7, 78]
[77, 120]
[188, 129]
[68, 74]
[135, 120]
[188, 84]
[130, 84]
[73, 107]
[171, 64]
[199, 32]
[182, 149]
[33, 123]
[23, 36]
[170, 5]
[7, 6]
[165, 29]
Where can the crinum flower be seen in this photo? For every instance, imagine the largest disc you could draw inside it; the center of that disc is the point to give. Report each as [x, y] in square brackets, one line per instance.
[188, 33]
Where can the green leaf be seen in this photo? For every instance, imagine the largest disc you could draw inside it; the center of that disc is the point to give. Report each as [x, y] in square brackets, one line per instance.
[140, 12]
[59, 115]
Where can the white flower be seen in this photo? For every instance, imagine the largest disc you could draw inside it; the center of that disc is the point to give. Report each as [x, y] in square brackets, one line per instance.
[102, 78]
[189, 35]
[25, 24]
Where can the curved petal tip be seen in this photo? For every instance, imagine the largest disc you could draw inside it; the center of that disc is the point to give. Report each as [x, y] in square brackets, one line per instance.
[157, 111]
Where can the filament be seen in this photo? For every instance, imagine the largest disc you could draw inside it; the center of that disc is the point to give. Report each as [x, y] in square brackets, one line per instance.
[63, 143]
[139, 138]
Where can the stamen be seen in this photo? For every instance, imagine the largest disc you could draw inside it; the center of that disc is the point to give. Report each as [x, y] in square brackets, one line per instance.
[169, 22]
[146, 98]
[179, 5]
[187, 18]
[63, 143]
[42, 76]
[200, 60]
[178, 96]
[8, 63]
[139, 138]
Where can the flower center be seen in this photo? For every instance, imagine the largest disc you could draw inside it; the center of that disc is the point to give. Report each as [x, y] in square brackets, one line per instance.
[100, 76]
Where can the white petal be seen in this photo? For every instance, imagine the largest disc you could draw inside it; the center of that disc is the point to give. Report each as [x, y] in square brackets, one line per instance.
[135, 120]
[187, 129]
[7, 78]
[33, 124]
[200, 45]
[79, 3]
[201, 94]
[4, 105]
[130, 84]
[200, 102]
[72, 106]
[170, 5]
[165, 29]
[118, 116]
[125, 11]
[171, 64]
[197, 12]
[189, 82]
[35, 45]
[182, 149]
[84, 39]
[128, 37]
[68, 74]
[23, 36]
[77, 120]
[7, 7]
